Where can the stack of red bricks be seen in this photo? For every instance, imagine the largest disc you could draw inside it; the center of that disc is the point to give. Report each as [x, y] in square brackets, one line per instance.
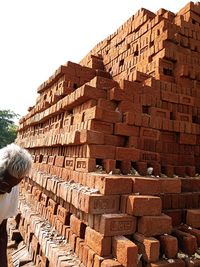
[130, 108]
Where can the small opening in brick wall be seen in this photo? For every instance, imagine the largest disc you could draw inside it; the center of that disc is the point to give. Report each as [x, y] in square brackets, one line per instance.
[128, 46]
[163, 169]
[171, 116]
[136, 53]
[193, 21]
[118, 164]
[83, 116]
[72, 120]
[150, 58]
[194, 119]
[126, 141]
[121, 63]
[75, 86]
[99, 162]
[145, 109]
[134, 165]
[151, 43]
[167, 72]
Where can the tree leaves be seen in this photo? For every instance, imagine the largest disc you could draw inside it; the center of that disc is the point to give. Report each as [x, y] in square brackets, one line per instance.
[8, 129]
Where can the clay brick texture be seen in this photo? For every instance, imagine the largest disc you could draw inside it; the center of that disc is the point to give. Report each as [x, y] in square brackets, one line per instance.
[116, 151]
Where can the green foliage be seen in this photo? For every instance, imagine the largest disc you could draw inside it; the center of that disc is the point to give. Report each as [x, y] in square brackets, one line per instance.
[8, 129]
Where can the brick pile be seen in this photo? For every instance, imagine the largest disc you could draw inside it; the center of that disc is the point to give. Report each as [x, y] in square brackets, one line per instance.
[115, 145]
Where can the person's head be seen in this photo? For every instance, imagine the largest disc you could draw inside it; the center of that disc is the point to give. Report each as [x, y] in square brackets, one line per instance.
[15, 163]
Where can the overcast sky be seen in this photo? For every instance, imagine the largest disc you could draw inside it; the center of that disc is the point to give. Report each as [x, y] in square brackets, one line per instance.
[37, 36]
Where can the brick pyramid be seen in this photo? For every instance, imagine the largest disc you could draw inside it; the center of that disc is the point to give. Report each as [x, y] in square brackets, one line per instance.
[116, 151]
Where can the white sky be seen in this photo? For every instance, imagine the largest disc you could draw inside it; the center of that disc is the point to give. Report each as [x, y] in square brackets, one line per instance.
[37, 36]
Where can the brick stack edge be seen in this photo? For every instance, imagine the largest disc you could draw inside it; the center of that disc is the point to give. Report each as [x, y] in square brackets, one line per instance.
[132, 103]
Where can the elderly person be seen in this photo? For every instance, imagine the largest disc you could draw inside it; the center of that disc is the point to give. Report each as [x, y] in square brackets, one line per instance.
[15, 163]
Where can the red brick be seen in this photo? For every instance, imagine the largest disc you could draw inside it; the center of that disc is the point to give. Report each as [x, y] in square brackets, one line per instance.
[100, 126]
[141, 167]
[190, 185]
[51, 160]
[169, 246]
[187, 139]
[90, 262]
[143, 205]
[91, 137]
[154, 225]
[158, 112]
[149, 156]
[85, 254]
[63, 215]
[97, 260]
[176, 216]
[110, 263]
[106, 104]
[192, 231]
[146, 186]
[106, 115]
[190, 171]
[72, 240]
[103, 83]
[168, 170]
[113, 185]
[149, 247]
[69, 163]
[123, 153]
[117, 94]
[125, 166]
[193, 218]
[97, 242]
[186, 100]
[52, 206]
[59, 161]
[117, 224]
[77, 226]
[127, 106]
[114, 140]
[170, 185]
[99, 204]
[125, 251]
[101, 151]
[109, 165]
[85, 164]
[187, 242]
[126, 130]
[149, 133]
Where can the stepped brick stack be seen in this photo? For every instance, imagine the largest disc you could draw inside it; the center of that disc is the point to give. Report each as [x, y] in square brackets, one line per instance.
[116, 150]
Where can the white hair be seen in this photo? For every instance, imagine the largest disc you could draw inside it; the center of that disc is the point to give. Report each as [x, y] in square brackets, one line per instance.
[15, 160]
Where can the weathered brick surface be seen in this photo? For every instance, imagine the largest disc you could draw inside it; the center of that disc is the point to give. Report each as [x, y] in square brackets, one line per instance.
[97, 242]
[193, 218]
[149, 247]
[154, 225]
[117, 224]
[143, 205]
[169, 246]
[125, 251]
